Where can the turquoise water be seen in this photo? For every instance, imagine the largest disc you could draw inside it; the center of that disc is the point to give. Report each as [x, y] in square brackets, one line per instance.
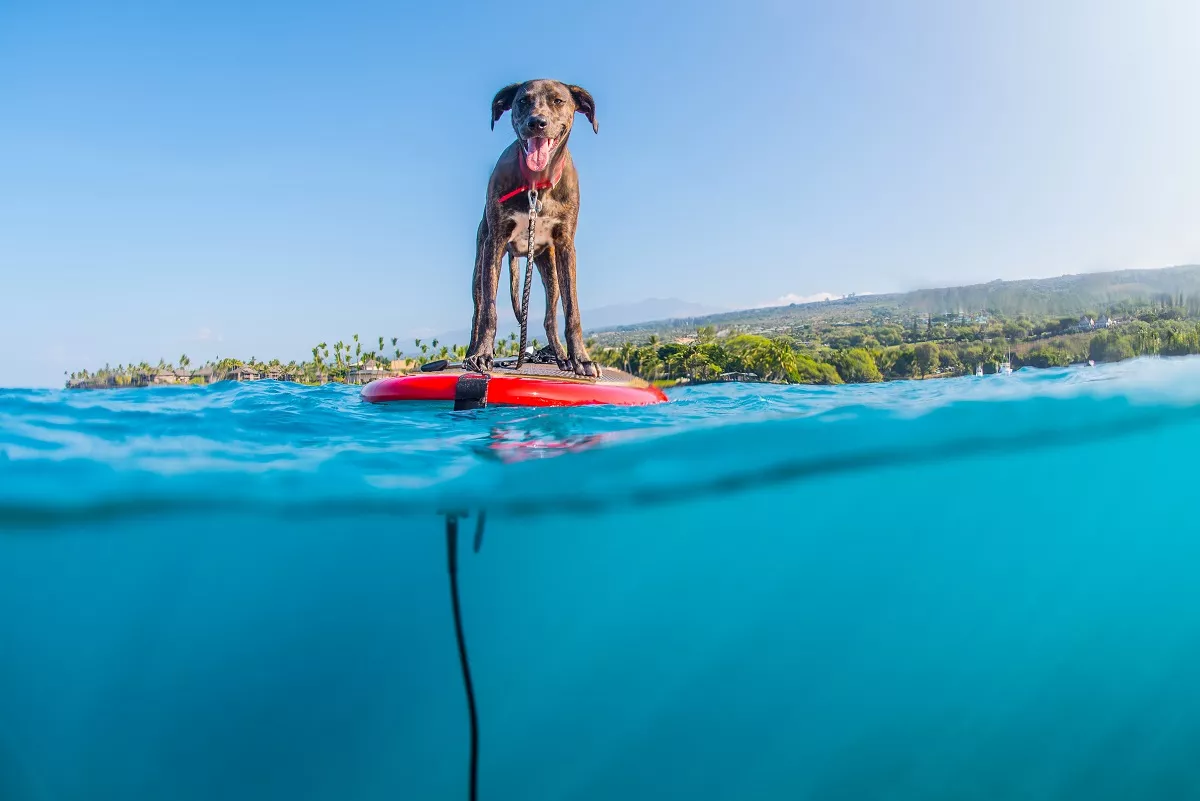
[961, 589]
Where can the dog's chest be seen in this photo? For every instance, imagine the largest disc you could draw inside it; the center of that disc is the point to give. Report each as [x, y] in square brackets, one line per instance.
[543, 233]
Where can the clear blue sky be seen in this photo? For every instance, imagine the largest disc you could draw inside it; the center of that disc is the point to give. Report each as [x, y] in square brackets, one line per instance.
[247, 179]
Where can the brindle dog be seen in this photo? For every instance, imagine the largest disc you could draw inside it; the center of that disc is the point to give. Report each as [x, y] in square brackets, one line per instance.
[542, 114]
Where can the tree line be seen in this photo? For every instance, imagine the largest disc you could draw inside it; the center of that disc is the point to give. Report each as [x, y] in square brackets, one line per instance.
[329, 364]
[884, 347]
[883, 350]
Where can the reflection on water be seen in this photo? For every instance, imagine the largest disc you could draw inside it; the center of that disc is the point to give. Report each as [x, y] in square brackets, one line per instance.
[516, 444]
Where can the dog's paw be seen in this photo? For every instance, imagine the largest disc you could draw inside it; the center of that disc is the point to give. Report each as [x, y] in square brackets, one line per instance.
[585, 368]
[478, 363]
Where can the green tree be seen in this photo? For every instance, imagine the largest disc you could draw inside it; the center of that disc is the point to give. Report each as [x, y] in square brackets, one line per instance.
[856, 366]
[1045, 356]
[811, 371]
[1110, 346]
[927, 358]
[904, 363]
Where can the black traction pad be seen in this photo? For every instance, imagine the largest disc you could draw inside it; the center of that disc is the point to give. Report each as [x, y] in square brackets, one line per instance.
[470, 392]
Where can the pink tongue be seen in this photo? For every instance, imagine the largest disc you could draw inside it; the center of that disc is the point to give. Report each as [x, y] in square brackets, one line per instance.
[537, 153]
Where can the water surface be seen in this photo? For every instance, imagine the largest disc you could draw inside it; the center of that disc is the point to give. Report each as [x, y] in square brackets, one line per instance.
[951, 589]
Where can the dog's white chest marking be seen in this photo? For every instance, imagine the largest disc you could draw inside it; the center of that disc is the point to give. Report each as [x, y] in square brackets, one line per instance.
[519, 239]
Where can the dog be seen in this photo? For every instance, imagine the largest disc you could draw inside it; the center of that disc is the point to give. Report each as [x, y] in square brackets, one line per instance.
[543, 112]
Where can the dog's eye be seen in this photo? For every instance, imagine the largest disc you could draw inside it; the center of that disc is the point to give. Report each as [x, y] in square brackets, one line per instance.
[558, 101]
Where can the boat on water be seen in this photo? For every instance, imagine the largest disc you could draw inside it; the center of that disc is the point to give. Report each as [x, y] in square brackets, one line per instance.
[1005, 368]
[979, 370]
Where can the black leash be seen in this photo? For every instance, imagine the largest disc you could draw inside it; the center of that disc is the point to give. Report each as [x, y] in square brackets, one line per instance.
[534, 208]
[452, 564]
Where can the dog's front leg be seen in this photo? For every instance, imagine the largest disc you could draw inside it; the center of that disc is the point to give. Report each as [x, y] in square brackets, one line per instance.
[483, 339]
[546, 264]
[476, 281]
[577, 354]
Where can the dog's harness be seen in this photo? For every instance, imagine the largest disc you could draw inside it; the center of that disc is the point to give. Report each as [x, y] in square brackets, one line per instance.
[531, 189]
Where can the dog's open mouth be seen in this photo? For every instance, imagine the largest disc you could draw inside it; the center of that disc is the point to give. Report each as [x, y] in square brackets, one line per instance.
[537, 152]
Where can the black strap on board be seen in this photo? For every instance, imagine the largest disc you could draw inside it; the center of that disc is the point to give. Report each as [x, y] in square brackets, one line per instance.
[471, 391]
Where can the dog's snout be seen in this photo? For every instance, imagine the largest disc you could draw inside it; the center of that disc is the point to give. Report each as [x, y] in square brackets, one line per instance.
[537, 123]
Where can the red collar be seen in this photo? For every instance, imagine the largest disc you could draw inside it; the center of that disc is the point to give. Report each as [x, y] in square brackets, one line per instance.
[531, 184]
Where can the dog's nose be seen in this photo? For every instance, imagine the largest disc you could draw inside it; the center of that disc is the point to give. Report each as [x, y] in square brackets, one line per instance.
[537, 123]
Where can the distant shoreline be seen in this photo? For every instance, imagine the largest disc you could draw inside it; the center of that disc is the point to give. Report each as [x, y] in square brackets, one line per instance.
[853, 340]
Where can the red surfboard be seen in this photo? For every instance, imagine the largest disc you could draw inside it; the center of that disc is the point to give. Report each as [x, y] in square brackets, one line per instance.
[532, 385]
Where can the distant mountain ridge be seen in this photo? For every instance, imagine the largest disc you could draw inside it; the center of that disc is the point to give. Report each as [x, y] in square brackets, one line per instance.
[1062, 295]
[650, 309]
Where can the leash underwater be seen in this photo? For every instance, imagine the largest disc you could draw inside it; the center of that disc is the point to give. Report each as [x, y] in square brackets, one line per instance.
[464, 661]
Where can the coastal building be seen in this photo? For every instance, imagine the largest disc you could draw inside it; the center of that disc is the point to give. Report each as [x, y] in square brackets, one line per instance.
[366, 373]
[1085, 324]
[402, 366]
[274, 373]
[242, 373]
[1105, 322]
[164, 377]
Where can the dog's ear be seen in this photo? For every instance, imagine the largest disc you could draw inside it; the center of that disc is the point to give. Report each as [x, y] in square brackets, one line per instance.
[585, 105]
[503, 101]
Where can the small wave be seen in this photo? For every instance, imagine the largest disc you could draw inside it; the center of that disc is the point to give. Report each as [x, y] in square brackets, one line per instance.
[270, 448]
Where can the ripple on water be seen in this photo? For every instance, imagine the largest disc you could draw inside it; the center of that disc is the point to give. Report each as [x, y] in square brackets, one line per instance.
[276, 447]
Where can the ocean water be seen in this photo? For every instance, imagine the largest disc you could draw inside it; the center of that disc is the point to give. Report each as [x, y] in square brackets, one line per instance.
[976, 588]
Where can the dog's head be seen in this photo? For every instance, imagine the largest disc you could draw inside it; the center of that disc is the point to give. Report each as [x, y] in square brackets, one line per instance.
[542, 114]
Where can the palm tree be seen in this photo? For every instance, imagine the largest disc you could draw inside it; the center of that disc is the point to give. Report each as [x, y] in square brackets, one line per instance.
[626, 355]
